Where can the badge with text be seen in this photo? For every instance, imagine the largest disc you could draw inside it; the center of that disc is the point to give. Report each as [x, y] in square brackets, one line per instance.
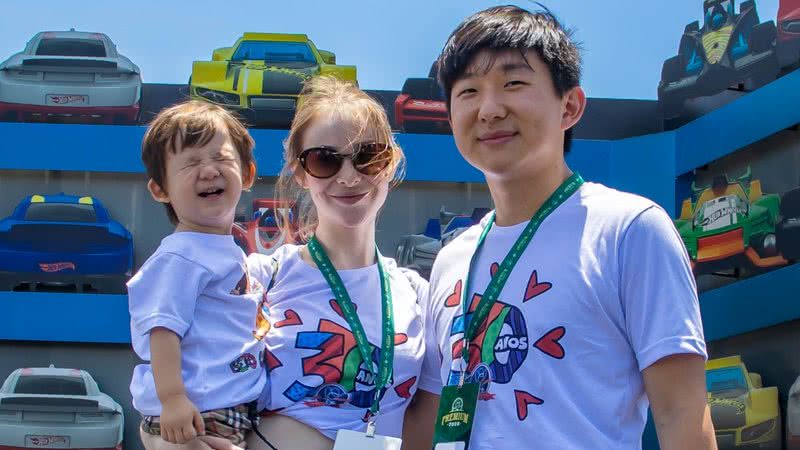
[353, 440]
[455, 416]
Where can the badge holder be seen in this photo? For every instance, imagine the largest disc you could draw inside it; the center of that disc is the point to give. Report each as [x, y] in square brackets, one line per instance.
[354, 440]
[456, 414]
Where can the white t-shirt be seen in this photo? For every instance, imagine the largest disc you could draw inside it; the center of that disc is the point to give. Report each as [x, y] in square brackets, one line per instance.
[603, 291]
[196, 285]
[316, 373]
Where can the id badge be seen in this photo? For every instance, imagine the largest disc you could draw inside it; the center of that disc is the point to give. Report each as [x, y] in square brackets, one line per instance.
[354, 440]
[455, 417]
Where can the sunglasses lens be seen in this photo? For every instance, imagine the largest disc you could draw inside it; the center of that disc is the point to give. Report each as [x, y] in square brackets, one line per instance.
[322, 162]
[372, 158]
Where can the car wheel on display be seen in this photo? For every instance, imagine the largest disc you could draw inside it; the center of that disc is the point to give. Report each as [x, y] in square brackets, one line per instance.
[763, 36]
[405, 249]
[671, 71]
[788, 230]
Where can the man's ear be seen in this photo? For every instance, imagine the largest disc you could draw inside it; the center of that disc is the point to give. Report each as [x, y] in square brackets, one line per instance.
[249, 176]
[573, 106]
[158, 194]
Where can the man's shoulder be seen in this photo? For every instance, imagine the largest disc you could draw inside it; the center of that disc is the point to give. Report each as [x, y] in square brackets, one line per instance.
[614, 207]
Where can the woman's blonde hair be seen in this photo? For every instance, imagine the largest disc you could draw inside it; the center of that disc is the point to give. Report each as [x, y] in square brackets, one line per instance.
[327, 95]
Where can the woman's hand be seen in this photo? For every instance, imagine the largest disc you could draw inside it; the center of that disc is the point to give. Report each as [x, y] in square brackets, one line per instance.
[180, 420]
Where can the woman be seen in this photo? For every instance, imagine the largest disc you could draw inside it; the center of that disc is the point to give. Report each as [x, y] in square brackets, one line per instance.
[335, 302]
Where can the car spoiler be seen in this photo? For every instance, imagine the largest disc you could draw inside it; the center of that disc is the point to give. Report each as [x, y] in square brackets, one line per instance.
[52, 404]
[69, 64]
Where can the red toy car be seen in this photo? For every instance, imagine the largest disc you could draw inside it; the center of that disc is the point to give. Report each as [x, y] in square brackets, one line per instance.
[262, 234]
[420, 107]
[789, 32]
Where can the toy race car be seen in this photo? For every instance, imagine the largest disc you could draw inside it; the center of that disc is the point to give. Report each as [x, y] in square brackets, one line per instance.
[789, 32]
[261, 75]
[420, 107]
[262, 234]
[64, 241]
[58, 408]
[793, 417]
[745, 414]
[418, 251]
[732, 224]
[728, 50]
[70, 76]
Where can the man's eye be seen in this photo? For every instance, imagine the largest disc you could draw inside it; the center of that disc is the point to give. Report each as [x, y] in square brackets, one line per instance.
[466, 91]
[515, 83]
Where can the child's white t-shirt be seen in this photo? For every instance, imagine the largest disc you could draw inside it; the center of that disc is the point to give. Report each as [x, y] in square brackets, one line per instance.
[197, 286]
[603, 291]
[316, 375]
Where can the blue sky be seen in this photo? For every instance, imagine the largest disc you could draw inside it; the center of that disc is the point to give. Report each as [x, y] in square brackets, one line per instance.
[624, 41]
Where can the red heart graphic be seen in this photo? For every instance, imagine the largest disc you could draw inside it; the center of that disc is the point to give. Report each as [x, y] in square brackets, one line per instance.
[270, 361]
[549, 345]
[535, 288]
[454, 299]
[404, 390]
[494, 268]
[523, 400]
[291, 318]
[338, 310]
[400, 338]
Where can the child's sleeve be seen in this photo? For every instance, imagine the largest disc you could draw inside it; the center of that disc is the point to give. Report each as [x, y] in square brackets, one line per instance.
[164, 293]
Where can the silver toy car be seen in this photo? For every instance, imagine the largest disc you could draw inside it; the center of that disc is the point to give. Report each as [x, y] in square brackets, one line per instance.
[70, 76]
[57, 408]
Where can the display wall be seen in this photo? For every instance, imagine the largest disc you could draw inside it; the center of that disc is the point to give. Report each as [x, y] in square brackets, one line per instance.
[749, 138]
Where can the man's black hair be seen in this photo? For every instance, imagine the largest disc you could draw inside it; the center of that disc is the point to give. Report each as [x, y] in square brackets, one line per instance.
[513, 28]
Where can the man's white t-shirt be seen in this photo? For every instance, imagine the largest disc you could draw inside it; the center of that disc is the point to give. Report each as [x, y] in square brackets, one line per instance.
[197, 286]
[603, 291]
[315, 368]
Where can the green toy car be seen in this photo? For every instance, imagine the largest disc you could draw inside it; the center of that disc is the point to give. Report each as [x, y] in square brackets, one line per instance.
[730, 225]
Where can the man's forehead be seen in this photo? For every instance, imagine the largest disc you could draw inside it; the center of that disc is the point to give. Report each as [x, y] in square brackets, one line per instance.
[506, 60]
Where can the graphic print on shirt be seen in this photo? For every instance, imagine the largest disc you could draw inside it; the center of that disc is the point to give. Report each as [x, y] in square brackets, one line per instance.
[343, 378]
[262, 318]
[501, 345]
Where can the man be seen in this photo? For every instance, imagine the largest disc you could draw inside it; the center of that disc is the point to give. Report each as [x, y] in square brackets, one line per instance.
[599, 313]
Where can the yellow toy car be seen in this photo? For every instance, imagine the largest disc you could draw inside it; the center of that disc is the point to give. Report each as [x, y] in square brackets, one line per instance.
[745, 414]
[261, 75]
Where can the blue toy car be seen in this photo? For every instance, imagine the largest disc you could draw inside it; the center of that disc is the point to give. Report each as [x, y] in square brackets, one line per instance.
[418, 251]
[64, 241]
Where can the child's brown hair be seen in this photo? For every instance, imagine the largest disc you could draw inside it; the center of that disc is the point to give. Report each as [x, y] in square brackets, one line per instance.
[190, 124]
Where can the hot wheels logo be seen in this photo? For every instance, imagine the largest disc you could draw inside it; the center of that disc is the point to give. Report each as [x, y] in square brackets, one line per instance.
[56, 267]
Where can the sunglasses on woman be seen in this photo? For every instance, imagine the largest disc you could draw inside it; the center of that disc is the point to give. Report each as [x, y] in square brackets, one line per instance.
[369, 158]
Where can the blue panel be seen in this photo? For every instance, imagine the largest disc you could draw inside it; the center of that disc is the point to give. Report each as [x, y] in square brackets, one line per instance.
[758, 302]
[92, 148]
[434, 157]
[592, 159]
[645, 165]
[749, 119]
[39, 316]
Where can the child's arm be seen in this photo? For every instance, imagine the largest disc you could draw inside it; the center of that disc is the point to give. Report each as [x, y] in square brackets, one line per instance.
[180, 420]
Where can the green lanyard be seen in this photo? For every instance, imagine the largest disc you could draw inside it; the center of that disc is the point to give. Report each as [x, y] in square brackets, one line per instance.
[349, 311]
[498, 281]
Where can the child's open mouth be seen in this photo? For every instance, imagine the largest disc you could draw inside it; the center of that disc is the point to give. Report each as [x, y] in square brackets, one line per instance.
[212, 193]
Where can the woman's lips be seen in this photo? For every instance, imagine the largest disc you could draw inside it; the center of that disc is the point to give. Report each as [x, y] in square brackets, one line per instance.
[348, 199]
